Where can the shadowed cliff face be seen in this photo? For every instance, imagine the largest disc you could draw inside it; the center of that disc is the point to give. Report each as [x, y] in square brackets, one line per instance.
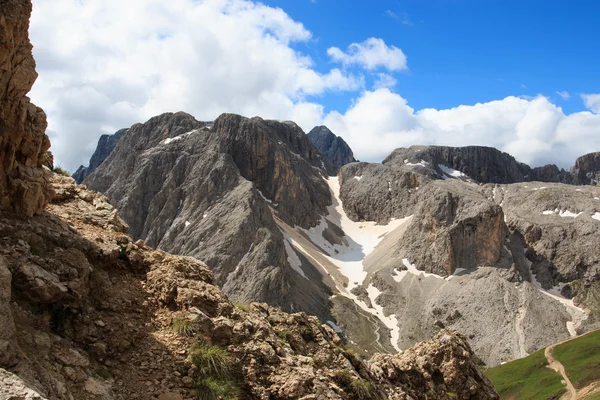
[106, 144]
[334, 149]
[23, 182]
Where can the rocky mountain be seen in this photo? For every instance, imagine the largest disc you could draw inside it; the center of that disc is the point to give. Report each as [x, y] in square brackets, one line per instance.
[587, 169]
[336, 151]
[400, 248]
[88, 313]
[106, 144]
[482, 164]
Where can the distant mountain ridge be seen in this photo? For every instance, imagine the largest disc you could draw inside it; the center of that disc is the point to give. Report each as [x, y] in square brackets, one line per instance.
[106, 144]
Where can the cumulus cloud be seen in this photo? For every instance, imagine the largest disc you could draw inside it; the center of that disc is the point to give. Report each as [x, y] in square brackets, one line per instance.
[384, 81]
[592, 102]
[106, 64]
[534, 130]
[371, 54]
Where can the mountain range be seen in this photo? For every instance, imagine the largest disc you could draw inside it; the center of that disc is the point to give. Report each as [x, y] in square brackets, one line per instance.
[242, 258]
[431, 237]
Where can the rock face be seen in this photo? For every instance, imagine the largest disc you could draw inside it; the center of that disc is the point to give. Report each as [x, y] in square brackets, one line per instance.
[106, 144]
[23, 142]
[479, 163]
[336, 151]
[122, 305]
[215, 194]
[587, 169]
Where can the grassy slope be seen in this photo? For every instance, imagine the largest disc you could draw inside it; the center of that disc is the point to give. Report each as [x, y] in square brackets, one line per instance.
[526, 378]
[581, 359]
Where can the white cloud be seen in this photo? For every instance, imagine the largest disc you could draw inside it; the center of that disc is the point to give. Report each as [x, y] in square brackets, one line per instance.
[107, 64]
[384, 81]
[564, 94]
[371, 54]
[592, 102]
[534, 131]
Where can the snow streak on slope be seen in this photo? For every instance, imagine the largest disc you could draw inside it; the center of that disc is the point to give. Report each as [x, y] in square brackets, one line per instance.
[361, 237]
[578, 314]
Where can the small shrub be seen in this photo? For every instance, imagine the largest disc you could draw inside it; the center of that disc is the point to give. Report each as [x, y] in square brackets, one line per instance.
[343, 378]
[362, 389]
[285, 335]
[243, 307]
[60, 171]
[211, 360]
[210, 388]
[183, 327]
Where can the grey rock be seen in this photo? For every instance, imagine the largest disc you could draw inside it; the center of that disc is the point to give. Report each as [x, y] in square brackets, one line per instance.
[333, 148]
[587, 169]
[215, 194]
[479, 163]
[106, 144]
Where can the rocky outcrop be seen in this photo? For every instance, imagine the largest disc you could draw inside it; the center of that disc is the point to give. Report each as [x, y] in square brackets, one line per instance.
[106, 144]
[454, 227]
[336, 151]
[560, 225]
[587, 169]
[23, 182]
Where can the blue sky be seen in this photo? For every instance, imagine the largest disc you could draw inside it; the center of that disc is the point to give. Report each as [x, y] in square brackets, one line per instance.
[380, 74]
[467, 51]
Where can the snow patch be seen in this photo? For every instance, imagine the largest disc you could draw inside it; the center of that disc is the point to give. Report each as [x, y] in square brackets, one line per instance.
[421, 163]
[292, 257]
[362, 238]
[412, 268]
[391, 322]
[562, 213]
[577, 314]
[358, 178]
[179, 137]
[452, 173]
[596, 216]
[187, 223]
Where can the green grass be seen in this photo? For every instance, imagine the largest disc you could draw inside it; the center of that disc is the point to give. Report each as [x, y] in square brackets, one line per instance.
[362, 389]
[210, 388]
[526, 378]
[60, 171]
[243, 307]
[212, 361]
[183, 327]
[581, 359]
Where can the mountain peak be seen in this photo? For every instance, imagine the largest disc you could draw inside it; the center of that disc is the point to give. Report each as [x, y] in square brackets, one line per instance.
[336, 151]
